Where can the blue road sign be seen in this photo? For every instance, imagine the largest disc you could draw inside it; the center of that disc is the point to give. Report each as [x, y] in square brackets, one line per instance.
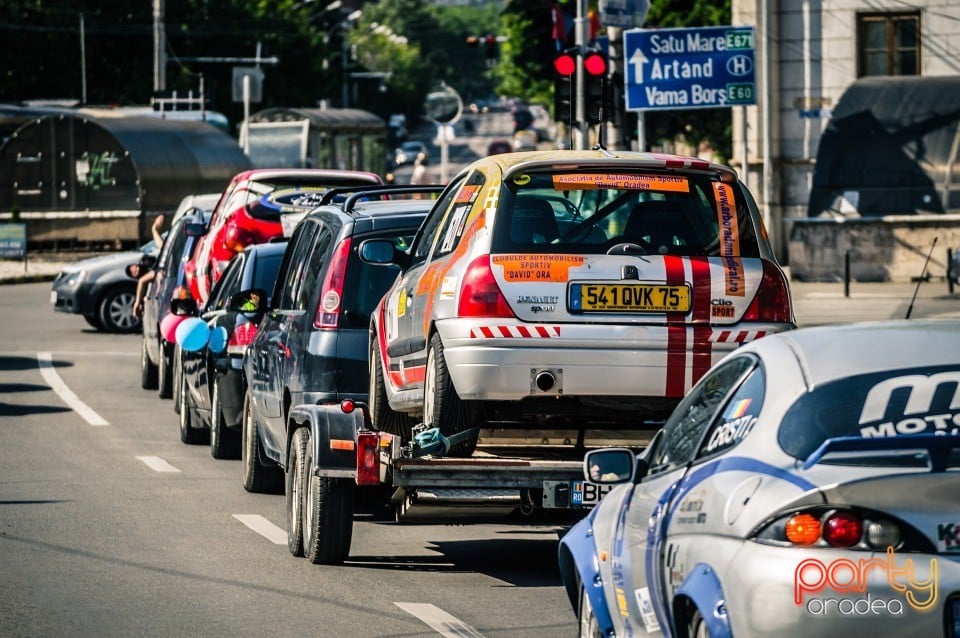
[704, 67]
[13, 241]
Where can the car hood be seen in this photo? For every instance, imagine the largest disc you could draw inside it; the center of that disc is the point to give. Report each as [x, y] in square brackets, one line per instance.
[105, 262]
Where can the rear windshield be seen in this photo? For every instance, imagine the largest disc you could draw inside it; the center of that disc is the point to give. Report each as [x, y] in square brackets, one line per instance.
[271, 200]
[650, 212]
[894, 403]
[366, 284]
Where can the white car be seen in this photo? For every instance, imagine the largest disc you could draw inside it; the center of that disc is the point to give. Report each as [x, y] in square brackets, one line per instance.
[555, 288]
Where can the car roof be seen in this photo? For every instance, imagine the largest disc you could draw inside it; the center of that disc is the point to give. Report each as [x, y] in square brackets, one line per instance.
[312, 173]
[269, 248]
[827, 353]
[392, 207]
[556, 159]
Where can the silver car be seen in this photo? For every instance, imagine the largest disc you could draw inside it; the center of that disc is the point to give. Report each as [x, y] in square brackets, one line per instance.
[808, 485]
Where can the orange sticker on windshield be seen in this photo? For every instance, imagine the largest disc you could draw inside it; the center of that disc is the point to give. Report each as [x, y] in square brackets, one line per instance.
[593, 181]
[729, 239]
[467, 194]
[537, 267]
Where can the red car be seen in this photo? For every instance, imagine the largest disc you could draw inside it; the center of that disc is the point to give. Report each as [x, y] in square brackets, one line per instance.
[250, 212]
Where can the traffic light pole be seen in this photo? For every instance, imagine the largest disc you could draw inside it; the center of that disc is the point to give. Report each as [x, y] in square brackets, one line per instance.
[580, 36]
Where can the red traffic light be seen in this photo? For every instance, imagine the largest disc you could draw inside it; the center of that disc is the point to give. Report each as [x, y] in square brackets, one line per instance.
[594, 64]
[565, 65]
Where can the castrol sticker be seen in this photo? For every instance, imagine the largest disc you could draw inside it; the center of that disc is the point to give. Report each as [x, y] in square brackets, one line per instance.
[729, 240]
[554, 268]
[592, 181]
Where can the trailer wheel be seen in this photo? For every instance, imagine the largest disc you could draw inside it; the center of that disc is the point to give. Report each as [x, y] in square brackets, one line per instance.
[327, 516]
[442, 406]
[384, 417]
[296, 487]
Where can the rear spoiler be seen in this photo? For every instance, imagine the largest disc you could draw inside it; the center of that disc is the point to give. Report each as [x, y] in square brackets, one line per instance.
[936, 446]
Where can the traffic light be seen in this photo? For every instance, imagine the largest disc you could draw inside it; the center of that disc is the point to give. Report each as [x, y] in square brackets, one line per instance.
[596, 104]
[596, 100]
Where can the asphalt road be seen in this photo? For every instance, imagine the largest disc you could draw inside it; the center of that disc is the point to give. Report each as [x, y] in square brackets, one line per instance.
[109, 526]
[121, 530]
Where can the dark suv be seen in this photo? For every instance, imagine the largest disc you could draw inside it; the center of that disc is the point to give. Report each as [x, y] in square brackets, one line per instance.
[311, 346]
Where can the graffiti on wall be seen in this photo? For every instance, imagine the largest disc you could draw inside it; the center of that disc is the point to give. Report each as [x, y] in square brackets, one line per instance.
[93, 169]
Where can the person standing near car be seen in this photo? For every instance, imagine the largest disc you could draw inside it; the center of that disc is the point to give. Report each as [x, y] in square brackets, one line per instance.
[144, 278]
[419, 176]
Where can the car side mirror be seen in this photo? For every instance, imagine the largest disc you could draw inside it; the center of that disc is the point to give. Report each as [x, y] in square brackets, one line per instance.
[250, 303]
[609, 466]
[382, 252]
[195, 229]
[183, 307]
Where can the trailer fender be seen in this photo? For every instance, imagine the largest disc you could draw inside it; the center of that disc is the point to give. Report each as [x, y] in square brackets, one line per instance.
[333, 436]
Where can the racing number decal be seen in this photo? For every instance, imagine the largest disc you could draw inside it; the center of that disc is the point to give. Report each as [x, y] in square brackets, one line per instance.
[729, 239]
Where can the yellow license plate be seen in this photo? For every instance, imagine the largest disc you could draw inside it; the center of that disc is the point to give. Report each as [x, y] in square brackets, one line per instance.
[629, 298]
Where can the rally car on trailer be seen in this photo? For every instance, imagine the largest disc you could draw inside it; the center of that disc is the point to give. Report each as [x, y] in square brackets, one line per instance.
[808, 485]
[571, 288]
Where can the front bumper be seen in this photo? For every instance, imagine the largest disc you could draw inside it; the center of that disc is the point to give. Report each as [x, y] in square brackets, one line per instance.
[73, 299]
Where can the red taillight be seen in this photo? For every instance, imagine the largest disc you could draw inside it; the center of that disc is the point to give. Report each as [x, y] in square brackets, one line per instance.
[772, 301]
[368, 465]
[842, 529]
[480, 296]
[331, 295]
[347, 406]
[242, 336]
[236, 238]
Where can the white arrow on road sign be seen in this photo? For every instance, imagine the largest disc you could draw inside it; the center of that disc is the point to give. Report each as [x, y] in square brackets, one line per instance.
[638, 59]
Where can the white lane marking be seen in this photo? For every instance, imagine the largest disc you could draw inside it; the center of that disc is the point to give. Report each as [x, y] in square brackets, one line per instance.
[157, 464]
[45, 359]
[439, 620]
[263, 527]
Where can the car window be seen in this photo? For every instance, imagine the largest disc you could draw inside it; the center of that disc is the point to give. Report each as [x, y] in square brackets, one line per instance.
[451, 229]
[431, 225]
[316, 263]
[738, 416]
[684, 430]
[173, 247]
[590, 212]
[227, 284]
[265, 271]
[293, 260]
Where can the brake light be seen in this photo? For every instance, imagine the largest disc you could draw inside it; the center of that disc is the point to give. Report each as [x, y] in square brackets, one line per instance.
[842, 529]
[368, 465]
[772, 301]
[331, 295]
[236, 238]
[241, 337]
[480, 296]
[802, 529]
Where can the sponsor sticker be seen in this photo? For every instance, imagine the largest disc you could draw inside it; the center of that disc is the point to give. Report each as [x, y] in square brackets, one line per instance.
[729, 240]
[647, 615]
[555, 268]
[593, 181]
[948, 538]
[912, 399]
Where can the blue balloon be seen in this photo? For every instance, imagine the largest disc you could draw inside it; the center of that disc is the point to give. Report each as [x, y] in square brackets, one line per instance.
[192, 334]
[218, 340]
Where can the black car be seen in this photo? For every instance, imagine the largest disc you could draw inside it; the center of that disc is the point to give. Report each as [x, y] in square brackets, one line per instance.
[211, 383]
[169, 282]
[311, 346]
[100, 290]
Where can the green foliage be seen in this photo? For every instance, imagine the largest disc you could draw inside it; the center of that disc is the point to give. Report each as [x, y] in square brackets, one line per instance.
[525, 67]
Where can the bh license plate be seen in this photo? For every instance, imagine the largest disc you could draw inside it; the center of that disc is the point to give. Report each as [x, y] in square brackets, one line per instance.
[628, 298]
[586, 494]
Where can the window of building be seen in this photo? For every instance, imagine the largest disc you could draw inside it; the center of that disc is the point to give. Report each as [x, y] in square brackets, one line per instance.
[888, 44]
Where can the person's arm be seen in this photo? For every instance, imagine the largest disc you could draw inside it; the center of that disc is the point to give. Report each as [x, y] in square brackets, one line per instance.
[155, 230]
[141, 290]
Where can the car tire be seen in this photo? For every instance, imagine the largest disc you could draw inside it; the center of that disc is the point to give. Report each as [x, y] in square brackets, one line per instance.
[148, 370]
[296, 478]
[327, 516]
[116, 310]
[224, 441]
[189, 433]
[383, 417]
[177, 377]
[164, 374]
[587, 620]
[442, 406]
[257, 477]
[94, 321]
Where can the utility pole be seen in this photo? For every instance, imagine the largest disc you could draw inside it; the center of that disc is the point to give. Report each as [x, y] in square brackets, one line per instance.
[159, 48]
[83, 62]
[580, 110]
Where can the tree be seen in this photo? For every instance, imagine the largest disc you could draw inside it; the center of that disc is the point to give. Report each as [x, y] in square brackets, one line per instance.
[525, 67]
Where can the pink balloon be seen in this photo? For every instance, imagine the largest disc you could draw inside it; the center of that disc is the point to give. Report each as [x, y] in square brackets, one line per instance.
[168, 327]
